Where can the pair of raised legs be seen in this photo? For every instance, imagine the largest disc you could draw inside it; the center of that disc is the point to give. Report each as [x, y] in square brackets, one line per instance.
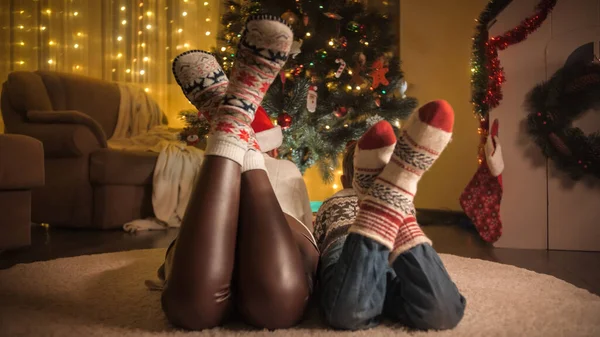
[386, 265]
[236, 248]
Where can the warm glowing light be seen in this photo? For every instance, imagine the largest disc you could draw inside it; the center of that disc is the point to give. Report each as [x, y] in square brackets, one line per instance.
[140, 17]
[331, 43]
[77, 67]
[146, 58]
[184, 14]
[349, 72]
[472, 70]
[143, 44]
[149, 13]
[142, 72]
[48, 11]
[397, 122]
[124, 22]
[114, 70]
[128, 70]
[179, 30]
[148, 26]
[308, 34]
[50, 61]
[205, 3]
[79, 33]
[207, 33]
[21, 62]
[43, 27]
[21, 27]
[186, 45]
[123, 8]
[349, 87]
[207, 19]
[119, 55]
[51, 43]
[22, 43]
[119, 38]
[147, 89]
[357, 87]
[141, 4]
[335, 186]
[327, 127]
[21, 12]
[76, 46]
[139, 32]
[223, 48]
[75, 13]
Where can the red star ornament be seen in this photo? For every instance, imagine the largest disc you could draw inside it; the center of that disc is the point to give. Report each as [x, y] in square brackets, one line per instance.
[379, 71]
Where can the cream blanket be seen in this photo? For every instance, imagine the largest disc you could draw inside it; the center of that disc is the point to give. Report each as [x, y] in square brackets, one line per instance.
[139, 128]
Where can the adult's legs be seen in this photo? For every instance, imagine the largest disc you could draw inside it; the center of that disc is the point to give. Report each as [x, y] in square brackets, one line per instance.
[198, 266]
[198, 286]
[272, 280]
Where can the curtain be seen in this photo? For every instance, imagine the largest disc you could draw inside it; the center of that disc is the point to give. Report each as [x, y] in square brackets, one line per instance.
[128, 41]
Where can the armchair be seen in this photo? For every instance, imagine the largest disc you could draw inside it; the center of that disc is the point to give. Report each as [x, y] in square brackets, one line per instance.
[87, 185]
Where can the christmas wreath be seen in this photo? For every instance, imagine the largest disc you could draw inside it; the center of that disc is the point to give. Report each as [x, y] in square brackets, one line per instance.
[554, 105]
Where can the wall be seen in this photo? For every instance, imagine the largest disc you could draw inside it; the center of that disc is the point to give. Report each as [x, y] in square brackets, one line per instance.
[435, 50]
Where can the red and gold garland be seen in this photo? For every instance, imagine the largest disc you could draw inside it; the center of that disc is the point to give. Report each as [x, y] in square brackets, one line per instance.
[487, 73]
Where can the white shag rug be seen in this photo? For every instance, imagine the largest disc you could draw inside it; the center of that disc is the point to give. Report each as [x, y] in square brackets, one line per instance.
[104, 295]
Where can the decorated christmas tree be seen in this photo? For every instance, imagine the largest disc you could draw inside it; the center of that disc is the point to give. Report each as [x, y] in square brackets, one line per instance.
[343, 76]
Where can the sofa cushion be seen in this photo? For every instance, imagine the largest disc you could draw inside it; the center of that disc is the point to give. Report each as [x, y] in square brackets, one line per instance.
[26, 91]
[119, 167]
[21, 162]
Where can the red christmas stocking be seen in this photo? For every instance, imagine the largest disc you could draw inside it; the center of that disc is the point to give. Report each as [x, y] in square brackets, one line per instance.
[481, 198]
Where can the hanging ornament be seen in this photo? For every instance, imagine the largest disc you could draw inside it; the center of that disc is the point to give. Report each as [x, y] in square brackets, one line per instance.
[340, 111]
[305, 19]
[290, 17]
[378, 74]
[360, 60]
[402, 88]
[332, 15]
[311, 99]
[284, 120]
[353, 26]
[341, 68]
[343, 42]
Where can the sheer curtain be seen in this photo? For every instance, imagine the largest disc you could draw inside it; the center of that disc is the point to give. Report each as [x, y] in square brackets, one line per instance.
[129, 41]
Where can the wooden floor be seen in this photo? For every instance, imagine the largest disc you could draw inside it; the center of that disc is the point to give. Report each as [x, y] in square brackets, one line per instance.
[579, 268]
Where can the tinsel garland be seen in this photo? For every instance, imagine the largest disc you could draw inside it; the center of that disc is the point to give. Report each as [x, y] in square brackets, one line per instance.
[554, 105]
[487, 73]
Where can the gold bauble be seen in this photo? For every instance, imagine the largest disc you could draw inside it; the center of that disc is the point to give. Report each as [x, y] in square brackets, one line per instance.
[290, 17]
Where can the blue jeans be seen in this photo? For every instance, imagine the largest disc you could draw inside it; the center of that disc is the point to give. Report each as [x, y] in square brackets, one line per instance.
[359, 287]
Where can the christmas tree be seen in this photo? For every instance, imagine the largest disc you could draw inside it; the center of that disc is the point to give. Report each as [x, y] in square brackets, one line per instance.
[343, 76]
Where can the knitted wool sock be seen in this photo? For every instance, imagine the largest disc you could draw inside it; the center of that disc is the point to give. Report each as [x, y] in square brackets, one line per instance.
[263, 50]
[372, 153]
[201, 79]
[254, 159]
[385, 213]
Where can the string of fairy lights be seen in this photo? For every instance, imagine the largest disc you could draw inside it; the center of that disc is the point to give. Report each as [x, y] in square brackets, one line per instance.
[140, 38]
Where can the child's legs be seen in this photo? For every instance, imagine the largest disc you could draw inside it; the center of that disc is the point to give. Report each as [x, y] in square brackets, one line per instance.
[422, 295]
[353, 282]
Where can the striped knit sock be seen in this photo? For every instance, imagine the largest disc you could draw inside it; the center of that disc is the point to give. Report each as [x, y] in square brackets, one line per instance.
[385, 213]
[372, 153]
[263, 50]
[202, 80]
